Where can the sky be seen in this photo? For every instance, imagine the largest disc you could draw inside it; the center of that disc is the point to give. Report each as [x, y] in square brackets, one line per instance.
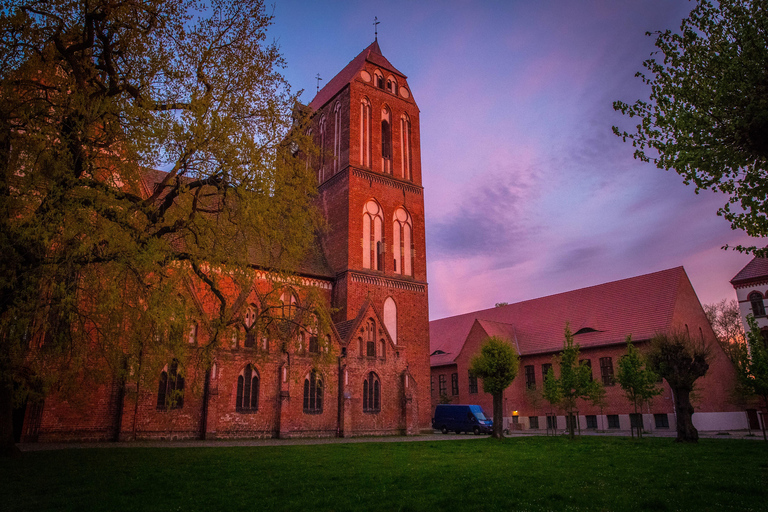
[527, 191]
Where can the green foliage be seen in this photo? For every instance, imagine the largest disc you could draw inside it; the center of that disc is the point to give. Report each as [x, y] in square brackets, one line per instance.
[594, 473]
[752, 364]
[707, 117]
[497, 364]
[637, 381]
[575, 382]
[97, 260]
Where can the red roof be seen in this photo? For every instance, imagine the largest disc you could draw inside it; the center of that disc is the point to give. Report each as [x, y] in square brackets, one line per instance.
[640, 306]
[757, 269]
[371, 54]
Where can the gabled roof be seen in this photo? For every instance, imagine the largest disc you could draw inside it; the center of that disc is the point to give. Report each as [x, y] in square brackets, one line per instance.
[371, 54]
[640, 306]
[756, 269]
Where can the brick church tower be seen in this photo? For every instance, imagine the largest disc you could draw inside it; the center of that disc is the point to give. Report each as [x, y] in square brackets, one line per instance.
[366, 123]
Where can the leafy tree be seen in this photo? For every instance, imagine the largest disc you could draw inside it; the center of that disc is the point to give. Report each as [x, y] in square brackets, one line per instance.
[497, 364]
[680, 361]
[502, 304]
[752, 366]
[725, 319]
[707, 117]
[575, 382]
[96, 261]
[637, 381]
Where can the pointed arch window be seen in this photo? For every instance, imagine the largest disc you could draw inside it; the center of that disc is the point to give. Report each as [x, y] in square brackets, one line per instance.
[247, 399]
[390, 318]
[402, 242]
[249, 319]
[336, 137]
[378, 79]
[313, 393]
[758, 306]
[371, 394]
[391, 84]
[288, 304]
[170, 392]
[321, 170]
[405, 147]
[370, 338]
[373, 236]
[386, 141]
[365, 133]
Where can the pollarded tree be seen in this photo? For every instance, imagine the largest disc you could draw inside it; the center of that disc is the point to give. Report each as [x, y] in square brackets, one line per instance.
[497, 364]
[97, 246]
[752, 366]
[680, 361]
[636, 379]
[707, 117]
[575, 382]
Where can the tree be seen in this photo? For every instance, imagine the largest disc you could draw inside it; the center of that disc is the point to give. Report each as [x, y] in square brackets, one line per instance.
[93, 97]
[497, 364]
[637, 381]
[725, 319]
[680, 361]
[575, 382]
[707, 117]
[752, 366]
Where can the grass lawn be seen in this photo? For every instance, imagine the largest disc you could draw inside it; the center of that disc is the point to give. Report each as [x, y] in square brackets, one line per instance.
[536, 473]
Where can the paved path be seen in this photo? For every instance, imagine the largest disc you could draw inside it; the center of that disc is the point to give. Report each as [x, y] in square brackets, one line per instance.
[32, 447]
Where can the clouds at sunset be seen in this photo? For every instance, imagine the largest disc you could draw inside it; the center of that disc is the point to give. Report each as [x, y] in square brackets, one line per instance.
[527, 191]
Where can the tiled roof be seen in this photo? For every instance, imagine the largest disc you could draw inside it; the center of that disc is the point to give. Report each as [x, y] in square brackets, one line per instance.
[371, 54]
[343, 328]
[640, 306]
[755, 269]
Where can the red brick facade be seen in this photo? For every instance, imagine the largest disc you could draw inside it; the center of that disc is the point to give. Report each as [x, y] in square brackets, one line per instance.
[356, 388]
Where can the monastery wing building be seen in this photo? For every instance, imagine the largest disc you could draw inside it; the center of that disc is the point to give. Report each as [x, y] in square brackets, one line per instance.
[600, 317]
[370, 268]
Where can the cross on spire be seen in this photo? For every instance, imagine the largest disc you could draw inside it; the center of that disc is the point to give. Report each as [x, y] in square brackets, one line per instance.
[317, 77]
[376, 28]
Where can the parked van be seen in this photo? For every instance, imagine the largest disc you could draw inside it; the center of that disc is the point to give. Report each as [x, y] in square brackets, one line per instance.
[461, 418]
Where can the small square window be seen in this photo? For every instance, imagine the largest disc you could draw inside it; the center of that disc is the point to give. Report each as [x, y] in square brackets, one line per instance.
[662, 420]
[591, 421]
[533, 422]
[613, 421]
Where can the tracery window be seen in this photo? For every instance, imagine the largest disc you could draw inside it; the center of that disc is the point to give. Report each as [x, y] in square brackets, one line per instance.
[386, 141]
[288, 304]
[313, 393]
[365, 133]
[247, 399]
[758, 307]
[336, 137]
[373, 236]
[371, 394]
[402, 248]
[170, 392]
[405, 147]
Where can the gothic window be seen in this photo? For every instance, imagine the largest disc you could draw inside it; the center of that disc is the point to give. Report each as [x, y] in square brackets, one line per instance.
[249, 319]
[247, 390]
[402, 247]
[193, 333]
[391, 85]
[382, 349]
[390, 318]
[370, 340]
[758, 307]
[365, 133]
[405, 147]
[336, 137]
[288, 304]
[378, 79]
[321, 170]
[386, 141]
[170, 392]
[373, 236]
[371, 394]
[313, 393]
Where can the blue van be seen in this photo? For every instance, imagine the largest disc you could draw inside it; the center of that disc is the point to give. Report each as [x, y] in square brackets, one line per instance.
[461, 418]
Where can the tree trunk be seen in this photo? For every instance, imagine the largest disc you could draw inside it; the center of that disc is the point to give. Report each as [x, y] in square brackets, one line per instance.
[8, 447]
[498, 415]
[686, 432]
[569, 419]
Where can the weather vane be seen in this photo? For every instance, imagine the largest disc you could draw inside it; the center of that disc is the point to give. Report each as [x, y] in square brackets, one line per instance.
[318, 81]
[376, 28]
